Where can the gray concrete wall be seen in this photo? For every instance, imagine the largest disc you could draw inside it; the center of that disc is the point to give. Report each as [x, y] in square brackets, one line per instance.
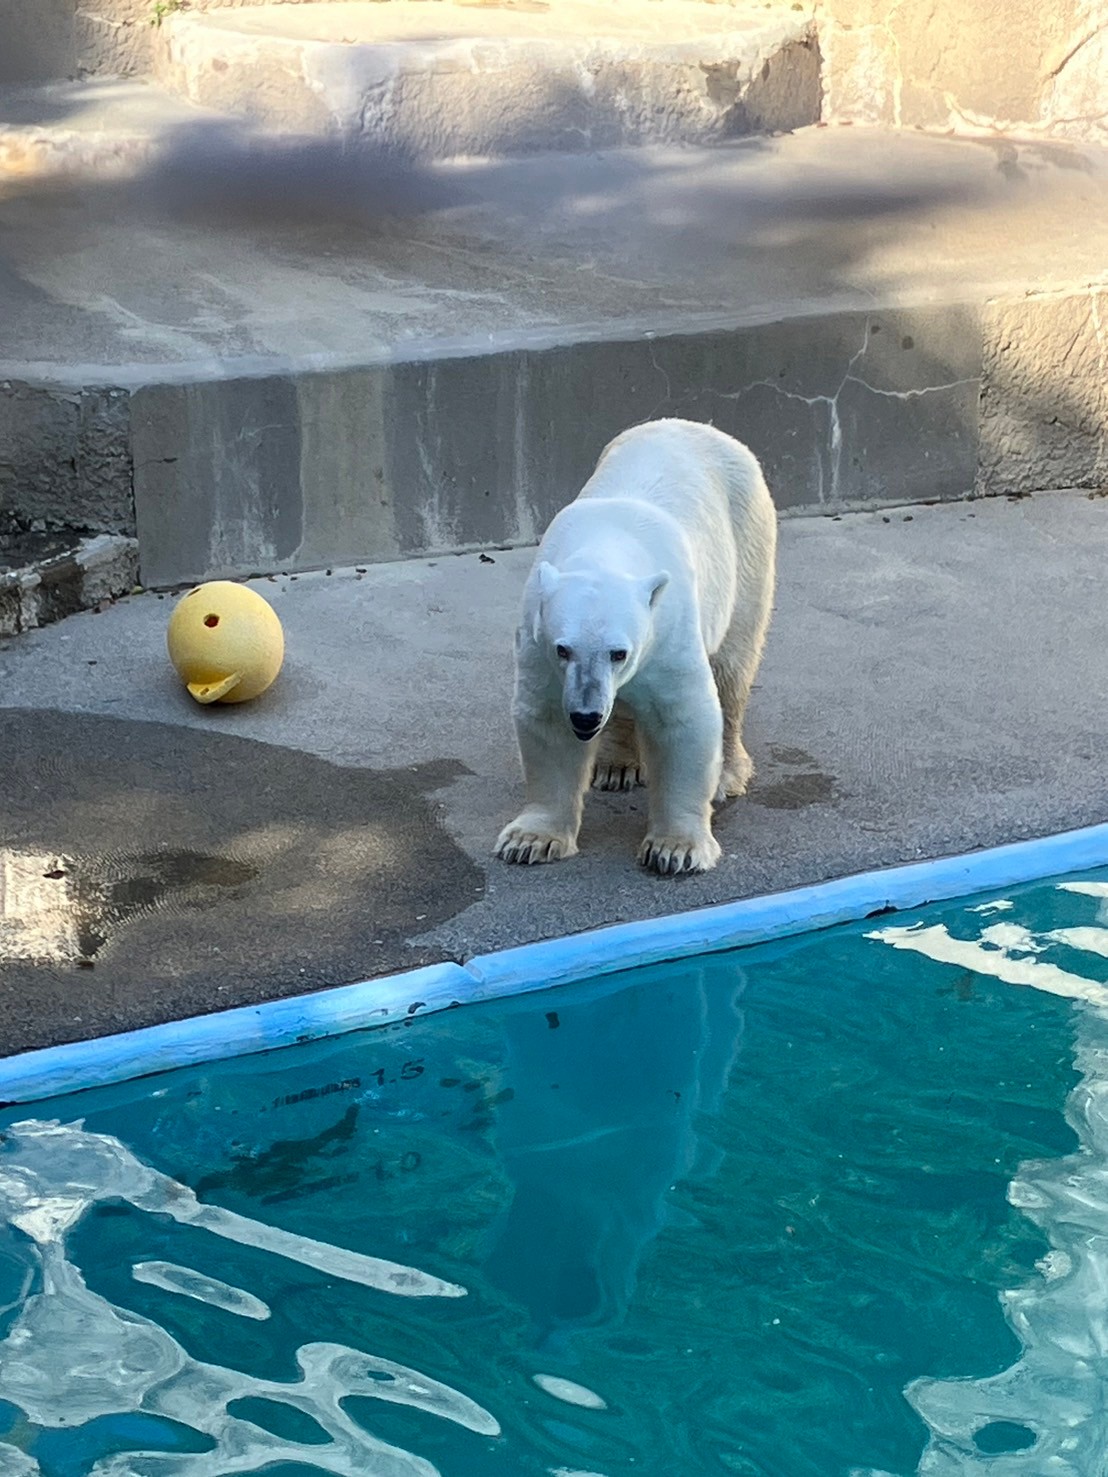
[847, 410]
[1044, 398]
[1008, 64]
[115, 37]
[36, 40]
[312, 469]
[468, 452]
[65, 458]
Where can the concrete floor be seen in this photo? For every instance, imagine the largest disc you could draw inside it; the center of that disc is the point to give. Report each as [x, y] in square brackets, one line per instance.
[936, 681]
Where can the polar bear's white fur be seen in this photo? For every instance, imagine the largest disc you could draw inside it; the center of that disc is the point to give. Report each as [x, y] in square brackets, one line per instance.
[644, 619]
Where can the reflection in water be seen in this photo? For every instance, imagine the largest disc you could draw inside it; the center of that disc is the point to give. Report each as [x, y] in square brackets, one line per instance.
[1045, 1413]
[15, 1463]
[172, 1278]
[592, 1161]
[63, 909]
[583, 1177]
[71, 1356]
[268, 1174]
[569, 1391]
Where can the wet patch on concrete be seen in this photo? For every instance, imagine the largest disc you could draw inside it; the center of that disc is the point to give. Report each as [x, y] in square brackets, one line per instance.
[807, 785]
[100, 896]
[799, 757]
[149, 872]
[794, 793]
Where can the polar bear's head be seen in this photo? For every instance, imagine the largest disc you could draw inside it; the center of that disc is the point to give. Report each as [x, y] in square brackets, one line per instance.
[596, 627]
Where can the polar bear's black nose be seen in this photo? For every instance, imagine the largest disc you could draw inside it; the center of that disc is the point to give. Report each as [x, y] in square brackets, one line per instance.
[586, 725]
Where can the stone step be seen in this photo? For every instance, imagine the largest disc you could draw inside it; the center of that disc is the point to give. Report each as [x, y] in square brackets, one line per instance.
[444, 79]
[105, 129]
[45, 577]
[263, 353]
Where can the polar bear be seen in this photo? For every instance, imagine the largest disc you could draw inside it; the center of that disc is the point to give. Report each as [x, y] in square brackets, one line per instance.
[643, 623]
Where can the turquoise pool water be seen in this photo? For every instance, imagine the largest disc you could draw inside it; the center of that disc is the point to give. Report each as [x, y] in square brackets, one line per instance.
[833, 1206]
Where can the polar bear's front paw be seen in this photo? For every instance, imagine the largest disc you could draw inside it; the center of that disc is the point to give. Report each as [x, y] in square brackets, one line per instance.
[528, 846]
[670, 855]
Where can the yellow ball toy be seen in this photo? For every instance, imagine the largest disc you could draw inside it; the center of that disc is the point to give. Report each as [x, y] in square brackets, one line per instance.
[226, 642]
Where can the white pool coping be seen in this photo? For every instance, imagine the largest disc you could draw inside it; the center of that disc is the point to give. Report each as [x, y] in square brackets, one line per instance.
[80, 1065]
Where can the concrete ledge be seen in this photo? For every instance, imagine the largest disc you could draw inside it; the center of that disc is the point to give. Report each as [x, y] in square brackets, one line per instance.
[103, 130]
[51, 39]
[260, 473]
[479, 451]
[63, 582]
[846, 410]
[282, 354]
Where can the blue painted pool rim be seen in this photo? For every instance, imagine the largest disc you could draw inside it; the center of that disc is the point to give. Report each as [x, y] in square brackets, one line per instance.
[77, 1066]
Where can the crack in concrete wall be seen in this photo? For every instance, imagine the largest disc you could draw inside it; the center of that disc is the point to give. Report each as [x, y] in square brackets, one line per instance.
[844, 465]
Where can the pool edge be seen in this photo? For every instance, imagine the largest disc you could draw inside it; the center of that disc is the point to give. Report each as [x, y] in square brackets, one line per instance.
[77, 1066]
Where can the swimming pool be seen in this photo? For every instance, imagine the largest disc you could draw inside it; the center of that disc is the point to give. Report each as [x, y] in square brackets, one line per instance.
[831, 1205]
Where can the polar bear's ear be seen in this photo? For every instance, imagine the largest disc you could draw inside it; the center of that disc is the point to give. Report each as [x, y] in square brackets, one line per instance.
[653, 586]
[548, 578]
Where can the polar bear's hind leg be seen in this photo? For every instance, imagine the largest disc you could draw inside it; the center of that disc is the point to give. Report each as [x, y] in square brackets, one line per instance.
[619, 765]
[735, 664]
[734, 677]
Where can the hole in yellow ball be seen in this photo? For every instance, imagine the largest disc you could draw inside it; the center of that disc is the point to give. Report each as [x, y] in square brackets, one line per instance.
[211, 620]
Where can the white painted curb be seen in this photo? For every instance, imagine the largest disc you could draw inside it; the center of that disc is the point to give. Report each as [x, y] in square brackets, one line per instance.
[55, 1070]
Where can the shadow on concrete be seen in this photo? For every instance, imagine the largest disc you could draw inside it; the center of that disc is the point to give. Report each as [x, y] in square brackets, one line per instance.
[227, 172]
[40, 105]
[150, 872]
[227, 167]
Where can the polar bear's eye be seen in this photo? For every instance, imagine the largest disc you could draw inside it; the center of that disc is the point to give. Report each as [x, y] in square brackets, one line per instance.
[563, 653]
[619, 655]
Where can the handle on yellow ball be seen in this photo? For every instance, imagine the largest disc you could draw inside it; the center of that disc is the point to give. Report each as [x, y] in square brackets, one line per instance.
[211, 692]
